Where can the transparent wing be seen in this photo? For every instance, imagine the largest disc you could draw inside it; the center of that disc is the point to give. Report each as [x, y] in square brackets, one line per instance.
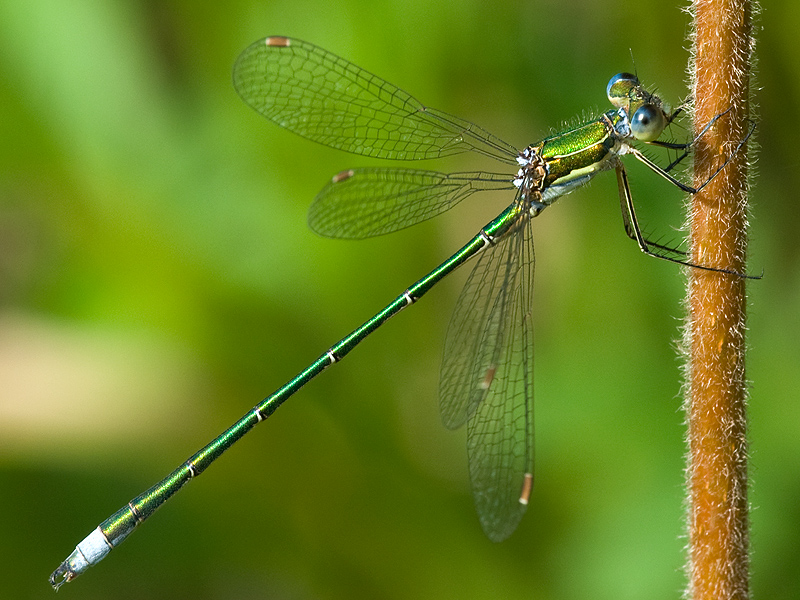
[361, 203]
[487, 379]
[325, 98]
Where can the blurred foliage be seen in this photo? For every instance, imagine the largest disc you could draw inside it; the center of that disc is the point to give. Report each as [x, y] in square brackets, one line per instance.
[157, 279]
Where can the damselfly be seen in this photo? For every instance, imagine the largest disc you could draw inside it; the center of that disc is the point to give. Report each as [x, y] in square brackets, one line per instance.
[486, 376]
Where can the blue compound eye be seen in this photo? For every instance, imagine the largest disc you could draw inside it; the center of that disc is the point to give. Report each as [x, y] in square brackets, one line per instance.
[648, 122]
[620, 87]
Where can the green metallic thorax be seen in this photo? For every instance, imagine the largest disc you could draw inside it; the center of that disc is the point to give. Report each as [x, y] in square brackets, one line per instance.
[580, 152]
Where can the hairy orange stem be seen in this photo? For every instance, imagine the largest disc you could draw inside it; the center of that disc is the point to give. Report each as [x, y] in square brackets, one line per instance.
[715, 335]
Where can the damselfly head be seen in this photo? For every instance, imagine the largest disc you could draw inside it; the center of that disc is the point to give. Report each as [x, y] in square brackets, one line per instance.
[645, 111]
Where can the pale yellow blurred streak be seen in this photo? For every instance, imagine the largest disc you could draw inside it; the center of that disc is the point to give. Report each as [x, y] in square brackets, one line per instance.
[74, 393]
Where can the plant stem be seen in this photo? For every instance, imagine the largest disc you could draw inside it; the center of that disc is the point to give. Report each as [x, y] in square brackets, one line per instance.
[715, 334]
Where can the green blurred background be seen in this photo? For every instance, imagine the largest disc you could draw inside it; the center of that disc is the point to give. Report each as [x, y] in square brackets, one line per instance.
[157, 279]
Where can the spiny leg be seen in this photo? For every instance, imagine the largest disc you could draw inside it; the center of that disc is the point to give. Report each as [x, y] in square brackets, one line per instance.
[633, 231]
[631, 223]
[687, 147]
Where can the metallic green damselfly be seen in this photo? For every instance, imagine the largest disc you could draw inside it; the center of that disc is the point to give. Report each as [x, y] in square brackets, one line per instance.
[487, 375]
